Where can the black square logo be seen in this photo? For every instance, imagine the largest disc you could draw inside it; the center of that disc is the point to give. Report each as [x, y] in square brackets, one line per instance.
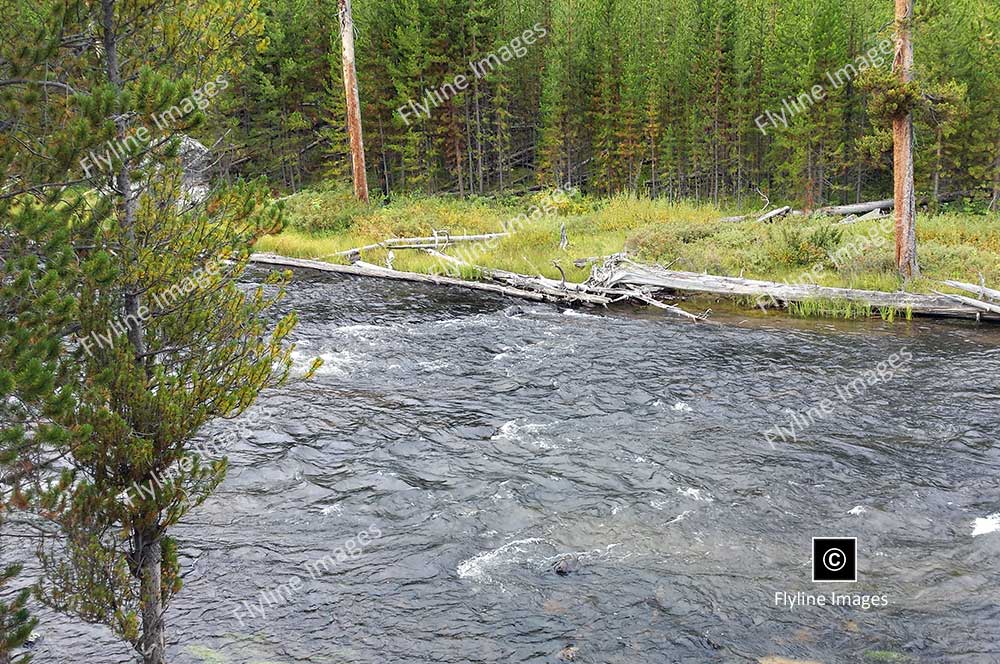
[835, 559]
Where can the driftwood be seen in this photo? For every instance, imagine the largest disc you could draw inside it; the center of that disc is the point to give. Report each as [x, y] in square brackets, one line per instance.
[617, 271]
[538, 289]
[619, 279]
[370, 270]
[777, 213]
[972, 302]
[983, 292]
[869, 216]
[886, 204]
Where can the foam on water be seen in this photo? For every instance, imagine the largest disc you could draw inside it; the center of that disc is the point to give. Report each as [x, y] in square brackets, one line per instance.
[534, 552]
[990, 524]
[694, 494]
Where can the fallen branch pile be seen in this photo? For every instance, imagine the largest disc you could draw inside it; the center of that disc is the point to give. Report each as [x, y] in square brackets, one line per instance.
[619, 279]
[538, 289]
[619, 270]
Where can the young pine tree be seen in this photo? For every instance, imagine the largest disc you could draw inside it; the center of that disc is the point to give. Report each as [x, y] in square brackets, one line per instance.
[151, 335]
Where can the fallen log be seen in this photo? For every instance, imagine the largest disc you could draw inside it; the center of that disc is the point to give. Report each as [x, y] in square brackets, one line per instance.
[513, 278]
[538, 289]
[620, 279]
[617, 272]
[869, 216]
[885, 204]
[775, 214]
[972, 302]
[856, 208]
[433, 241]
[983, 292]
[362, 269]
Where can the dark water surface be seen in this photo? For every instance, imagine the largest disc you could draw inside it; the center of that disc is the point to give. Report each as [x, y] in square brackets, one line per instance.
[487, 440]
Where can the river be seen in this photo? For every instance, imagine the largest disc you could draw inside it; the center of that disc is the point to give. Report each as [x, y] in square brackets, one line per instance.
[461, 448]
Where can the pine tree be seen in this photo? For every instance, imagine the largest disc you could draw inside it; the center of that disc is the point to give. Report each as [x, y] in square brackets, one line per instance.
[149, 337]
[16, 622]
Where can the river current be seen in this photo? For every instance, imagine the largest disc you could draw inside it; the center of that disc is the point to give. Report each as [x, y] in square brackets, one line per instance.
[474, 479]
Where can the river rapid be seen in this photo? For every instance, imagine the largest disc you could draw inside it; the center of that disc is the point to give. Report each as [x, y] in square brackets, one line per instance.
[474, 479]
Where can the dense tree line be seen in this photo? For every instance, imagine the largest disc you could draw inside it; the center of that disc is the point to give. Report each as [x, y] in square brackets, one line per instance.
[657, 96]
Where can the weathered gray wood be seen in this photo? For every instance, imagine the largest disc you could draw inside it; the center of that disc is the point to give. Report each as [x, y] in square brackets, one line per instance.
[433, 241]
[774, 214]
[617, 273]
[972, 302]
[621, 279]
[857, 208]
[982, 291]
[361, 269]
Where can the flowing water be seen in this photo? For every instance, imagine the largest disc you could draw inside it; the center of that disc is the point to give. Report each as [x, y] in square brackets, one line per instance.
[461, 447]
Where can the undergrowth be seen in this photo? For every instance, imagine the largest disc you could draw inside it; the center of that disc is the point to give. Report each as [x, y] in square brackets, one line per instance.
[685, 236]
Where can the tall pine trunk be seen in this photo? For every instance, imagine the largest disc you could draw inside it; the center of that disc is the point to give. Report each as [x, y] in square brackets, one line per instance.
[353, 105]
[995, 200]
[902, 142]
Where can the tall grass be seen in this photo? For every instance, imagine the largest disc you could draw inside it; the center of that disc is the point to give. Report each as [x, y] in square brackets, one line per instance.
[686, 235]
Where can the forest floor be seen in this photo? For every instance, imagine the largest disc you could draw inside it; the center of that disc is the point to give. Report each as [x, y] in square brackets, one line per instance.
[683, 236]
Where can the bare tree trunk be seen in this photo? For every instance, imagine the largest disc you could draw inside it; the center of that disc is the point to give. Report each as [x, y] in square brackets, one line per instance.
[353, 105]
[996, 184]
[902, 141]
[937, 164]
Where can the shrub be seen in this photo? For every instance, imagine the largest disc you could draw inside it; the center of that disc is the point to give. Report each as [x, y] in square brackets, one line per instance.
[330, 211]
[795, 246]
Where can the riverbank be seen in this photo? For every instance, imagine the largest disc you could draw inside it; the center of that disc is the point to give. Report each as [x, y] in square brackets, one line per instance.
[796, 250]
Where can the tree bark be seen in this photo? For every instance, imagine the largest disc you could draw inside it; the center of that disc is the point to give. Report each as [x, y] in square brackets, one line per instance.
[353, 105]
[996, 184]
[937, 163]
[151, 600]
[902, 141]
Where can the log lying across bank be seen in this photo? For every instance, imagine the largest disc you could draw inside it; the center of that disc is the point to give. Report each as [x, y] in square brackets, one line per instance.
[624, 271]
[619, 279]
[537, 289]
[369, 270]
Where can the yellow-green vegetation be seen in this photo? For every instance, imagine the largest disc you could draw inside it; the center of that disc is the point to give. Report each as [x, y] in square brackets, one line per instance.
[801, 250]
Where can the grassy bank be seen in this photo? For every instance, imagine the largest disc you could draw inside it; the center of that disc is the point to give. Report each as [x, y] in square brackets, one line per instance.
[689, 237]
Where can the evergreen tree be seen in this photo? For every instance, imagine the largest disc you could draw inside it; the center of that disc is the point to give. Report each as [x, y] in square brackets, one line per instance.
[142, 335]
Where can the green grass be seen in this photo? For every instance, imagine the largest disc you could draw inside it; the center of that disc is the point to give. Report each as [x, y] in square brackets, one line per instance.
[686, 236]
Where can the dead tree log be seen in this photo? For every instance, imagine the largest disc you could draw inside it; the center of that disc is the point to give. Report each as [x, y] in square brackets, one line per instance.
[856, 208]
[622, 280]
[362, 269]
[618, 273]
[972, 302]
[427, 242]
[983, 292]
[774, 214]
